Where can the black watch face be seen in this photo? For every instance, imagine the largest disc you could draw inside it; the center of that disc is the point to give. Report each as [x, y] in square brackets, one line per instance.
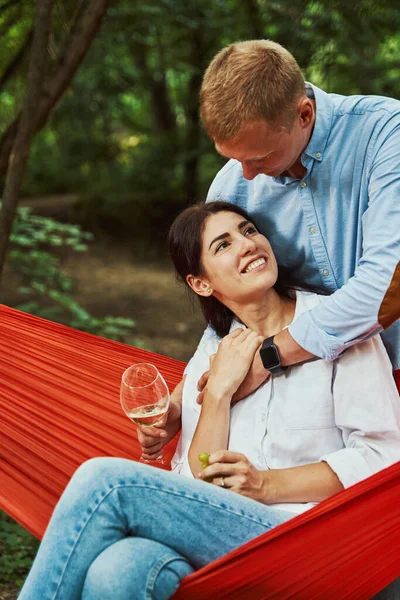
[270, 357]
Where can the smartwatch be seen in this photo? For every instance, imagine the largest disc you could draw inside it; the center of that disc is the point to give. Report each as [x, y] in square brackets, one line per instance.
[270, 357]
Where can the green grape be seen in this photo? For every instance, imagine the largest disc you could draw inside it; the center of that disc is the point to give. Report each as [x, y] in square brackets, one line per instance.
[203, 458]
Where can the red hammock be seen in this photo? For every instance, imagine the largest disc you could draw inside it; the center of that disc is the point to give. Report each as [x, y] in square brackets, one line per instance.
[59, 405]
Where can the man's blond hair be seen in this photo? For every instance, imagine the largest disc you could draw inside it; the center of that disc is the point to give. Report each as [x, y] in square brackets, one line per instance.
[248, 82]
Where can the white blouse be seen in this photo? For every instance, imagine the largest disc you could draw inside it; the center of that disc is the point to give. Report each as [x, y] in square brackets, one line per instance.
[345, 412]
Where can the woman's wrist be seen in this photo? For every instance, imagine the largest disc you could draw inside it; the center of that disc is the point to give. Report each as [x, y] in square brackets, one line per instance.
[271, 487]
[216, 395]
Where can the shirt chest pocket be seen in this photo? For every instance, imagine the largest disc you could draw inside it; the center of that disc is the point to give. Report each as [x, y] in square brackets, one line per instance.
[306, 402]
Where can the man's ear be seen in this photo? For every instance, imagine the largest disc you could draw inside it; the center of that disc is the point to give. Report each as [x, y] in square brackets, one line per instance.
[306, 112]
[199, 286]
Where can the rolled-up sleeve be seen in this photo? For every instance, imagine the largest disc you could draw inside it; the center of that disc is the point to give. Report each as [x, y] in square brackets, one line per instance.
[370, 301]
[367, 411]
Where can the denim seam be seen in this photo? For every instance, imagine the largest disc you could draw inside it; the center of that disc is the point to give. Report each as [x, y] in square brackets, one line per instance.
[151, 487]
[155, 572]
[225, 507]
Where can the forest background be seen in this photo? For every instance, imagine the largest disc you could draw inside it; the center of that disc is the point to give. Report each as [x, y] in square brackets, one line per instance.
[99, 112]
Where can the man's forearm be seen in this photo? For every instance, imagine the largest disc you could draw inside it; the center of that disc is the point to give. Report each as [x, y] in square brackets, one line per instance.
[291, 353]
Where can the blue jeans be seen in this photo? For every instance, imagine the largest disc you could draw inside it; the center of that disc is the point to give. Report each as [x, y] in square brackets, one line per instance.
[124, 530]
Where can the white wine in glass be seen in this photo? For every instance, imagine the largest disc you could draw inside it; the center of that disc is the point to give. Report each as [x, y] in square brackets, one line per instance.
[144, 397]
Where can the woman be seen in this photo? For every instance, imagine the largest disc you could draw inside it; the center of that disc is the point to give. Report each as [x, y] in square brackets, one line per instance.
[124, 530]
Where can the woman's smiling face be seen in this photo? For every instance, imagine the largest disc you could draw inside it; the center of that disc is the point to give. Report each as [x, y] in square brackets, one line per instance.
[238, 261]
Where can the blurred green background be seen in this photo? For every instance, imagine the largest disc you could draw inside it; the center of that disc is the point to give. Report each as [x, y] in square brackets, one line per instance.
[124, 150]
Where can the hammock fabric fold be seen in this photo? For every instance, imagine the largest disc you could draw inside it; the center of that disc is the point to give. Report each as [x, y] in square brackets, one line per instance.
[59, 406]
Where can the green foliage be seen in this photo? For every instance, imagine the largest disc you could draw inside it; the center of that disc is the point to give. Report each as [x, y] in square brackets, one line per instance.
[17, 550]
[127, 135]
[47, 288]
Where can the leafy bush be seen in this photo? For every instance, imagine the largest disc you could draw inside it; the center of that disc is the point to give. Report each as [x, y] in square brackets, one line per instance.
[34, 243]
[17, 550]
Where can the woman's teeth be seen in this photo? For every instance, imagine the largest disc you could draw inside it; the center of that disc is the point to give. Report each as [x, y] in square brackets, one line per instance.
[255, 264]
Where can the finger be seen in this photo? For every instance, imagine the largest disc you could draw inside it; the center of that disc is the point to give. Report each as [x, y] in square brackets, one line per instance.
[152, 448]
[253, 342]
[149, 431]
[147, 446]
[235, 333]
[217, 471]
[199, 398]
[201, 384]
[154, 456]
[224, 481]
[149, 443]
[226, 456]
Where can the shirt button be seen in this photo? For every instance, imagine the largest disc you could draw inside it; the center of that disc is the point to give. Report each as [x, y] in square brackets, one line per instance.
[325, 272]
[312, 230]
[263, 415]
[318, 155]
[303, 184]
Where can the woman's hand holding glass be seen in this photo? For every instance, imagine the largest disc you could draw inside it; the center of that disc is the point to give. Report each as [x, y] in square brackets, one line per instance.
[153, 439]
[145, 398]
[231, 363]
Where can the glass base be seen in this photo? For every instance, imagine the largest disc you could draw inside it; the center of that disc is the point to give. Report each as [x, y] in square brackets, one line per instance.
[155, 462]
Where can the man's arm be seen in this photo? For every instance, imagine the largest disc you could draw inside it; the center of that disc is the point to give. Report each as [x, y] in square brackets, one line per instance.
[370, 300]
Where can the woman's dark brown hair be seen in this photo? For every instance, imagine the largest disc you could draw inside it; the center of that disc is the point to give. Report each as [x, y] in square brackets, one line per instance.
[185, 246]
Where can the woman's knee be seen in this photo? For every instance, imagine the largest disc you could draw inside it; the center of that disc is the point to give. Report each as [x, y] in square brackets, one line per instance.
[135, 568]
[165, 576]
[103, 470]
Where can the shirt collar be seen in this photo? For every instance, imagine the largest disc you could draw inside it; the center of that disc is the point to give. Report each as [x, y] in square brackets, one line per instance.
[323, 121]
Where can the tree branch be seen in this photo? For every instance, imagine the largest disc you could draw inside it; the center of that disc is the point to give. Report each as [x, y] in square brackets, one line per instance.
[65, 68]
[16, 61]
[10, 4]
[25, 130]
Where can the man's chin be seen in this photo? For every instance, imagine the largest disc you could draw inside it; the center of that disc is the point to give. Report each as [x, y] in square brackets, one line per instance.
[276, 173]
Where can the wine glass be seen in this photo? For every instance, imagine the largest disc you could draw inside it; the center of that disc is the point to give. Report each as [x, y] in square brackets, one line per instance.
[145, 397]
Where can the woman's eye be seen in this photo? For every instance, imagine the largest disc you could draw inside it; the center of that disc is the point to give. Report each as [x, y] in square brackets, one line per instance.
[250, 230]
[221, 246]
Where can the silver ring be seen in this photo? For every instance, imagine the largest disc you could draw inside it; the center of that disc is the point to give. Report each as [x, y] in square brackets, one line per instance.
[223, 482]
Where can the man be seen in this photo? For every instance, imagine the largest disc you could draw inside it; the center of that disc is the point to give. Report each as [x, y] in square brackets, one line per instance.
[320, 173]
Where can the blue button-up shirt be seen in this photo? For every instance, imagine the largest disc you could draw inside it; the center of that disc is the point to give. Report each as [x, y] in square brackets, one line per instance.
[339, 226]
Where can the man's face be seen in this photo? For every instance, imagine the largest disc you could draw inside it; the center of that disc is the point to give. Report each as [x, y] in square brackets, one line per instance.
[264, 149]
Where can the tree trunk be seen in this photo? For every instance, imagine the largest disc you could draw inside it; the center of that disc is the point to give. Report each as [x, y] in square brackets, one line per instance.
[23, 139]
[256, 18]
[66, 66]
[163, 113]
[192, 143]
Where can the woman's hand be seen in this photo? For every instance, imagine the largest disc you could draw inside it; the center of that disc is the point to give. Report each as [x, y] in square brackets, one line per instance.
[153, 439]
[234, 471]
[231, 363]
